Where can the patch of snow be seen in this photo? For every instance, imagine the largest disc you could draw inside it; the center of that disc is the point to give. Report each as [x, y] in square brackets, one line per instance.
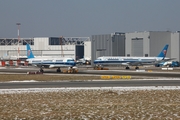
[24, 90]
[25, 81]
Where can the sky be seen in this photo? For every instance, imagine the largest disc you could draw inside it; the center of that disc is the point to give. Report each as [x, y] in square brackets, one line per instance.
[83, 18]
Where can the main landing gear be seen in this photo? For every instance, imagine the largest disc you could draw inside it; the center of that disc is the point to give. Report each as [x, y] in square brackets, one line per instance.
[127, 68]
[58, 70]
[41, 70]
[136, 67]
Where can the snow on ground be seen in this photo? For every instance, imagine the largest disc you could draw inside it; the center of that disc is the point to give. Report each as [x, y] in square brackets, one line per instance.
[24, 81]
[23, 90]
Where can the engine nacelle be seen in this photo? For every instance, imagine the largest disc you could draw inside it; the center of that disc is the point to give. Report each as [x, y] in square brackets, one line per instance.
[125, 64]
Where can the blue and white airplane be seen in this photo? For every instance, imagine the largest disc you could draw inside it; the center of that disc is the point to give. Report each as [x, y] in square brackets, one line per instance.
[49, 62]
[132, 61]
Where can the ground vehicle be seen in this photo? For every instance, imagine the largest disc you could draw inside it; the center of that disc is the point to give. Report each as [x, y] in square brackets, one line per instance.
[168, 64]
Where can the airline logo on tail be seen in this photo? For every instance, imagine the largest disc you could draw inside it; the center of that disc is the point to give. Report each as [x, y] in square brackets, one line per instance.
[29, 52]
[163, 52]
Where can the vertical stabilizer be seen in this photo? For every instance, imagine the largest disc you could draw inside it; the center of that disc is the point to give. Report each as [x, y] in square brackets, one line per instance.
[163, 52]
[29, 52]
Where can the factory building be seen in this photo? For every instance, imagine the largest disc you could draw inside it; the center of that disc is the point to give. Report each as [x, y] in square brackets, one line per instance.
[11, 48]
[115, 44]
[107, 45]
[147, 43]
[175, 45]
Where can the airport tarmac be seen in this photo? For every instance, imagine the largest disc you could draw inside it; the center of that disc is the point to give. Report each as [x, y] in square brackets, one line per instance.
[165, 78]
[150, 71]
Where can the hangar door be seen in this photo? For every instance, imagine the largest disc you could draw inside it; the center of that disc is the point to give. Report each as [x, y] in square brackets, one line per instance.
[79, 52]
[137, 47]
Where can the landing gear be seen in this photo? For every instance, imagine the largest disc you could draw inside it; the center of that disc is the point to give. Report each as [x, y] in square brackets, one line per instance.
[58, 70]
[136, 67]
[127, 67]
[41, 70]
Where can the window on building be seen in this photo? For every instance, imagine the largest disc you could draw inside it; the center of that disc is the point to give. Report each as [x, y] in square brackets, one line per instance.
[54, 41]
[128, 55]
[146, 55]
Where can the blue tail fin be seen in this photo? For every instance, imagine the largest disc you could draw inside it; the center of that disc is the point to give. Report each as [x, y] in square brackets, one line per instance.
[29, 51]
[163, 52]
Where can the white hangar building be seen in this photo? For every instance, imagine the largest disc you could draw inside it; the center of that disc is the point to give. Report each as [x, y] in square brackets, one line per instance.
[151, 43]
[45, 46]
[145, 43]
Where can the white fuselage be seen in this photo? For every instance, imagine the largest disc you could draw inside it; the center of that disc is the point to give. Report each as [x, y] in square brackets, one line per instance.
[112, 60]
[52, 62]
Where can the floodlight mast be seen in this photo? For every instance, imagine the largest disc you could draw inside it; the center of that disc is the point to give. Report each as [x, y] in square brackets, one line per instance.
[18, 24]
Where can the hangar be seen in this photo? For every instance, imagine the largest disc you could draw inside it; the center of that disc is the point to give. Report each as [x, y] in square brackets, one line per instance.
[13, 48]
[146, 43]
[107, 45]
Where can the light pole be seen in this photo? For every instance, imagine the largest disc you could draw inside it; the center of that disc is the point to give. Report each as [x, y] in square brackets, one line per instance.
[18, 24]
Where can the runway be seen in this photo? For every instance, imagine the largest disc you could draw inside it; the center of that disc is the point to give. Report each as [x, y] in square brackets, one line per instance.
[170, 79]
[122, 83]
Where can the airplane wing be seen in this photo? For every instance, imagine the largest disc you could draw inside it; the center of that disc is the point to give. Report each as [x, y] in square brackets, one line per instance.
[168, 59]
[144, 63]
[140, 63]
[135, 64]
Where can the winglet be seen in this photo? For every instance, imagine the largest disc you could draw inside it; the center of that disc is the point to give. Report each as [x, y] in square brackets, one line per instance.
[163, 52]
[29, 52]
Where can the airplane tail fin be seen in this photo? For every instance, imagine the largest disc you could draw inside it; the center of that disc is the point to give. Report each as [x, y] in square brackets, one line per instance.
[29, 52]
[163, 52]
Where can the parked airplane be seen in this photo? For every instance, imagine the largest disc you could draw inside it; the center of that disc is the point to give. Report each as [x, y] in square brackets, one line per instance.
[132, 61]
[49, 62]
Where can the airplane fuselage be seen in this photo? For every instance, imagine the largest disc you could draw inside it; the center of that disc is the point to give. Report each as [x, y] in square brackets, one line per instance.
[67, 62]
[127, 60]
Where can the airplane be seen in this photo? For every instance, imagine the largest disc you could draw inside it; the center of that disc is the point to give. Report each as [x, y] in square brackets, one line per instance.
[132, 61]
[49, 62]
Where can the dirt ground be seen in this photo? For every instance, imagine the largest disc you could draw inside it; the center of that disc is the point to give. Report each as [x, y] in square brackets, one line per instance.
[92, 105]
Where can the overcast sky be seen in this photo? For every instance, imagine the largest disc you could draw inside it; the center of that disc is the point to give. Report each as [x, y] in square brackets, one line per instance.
[83, 18]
